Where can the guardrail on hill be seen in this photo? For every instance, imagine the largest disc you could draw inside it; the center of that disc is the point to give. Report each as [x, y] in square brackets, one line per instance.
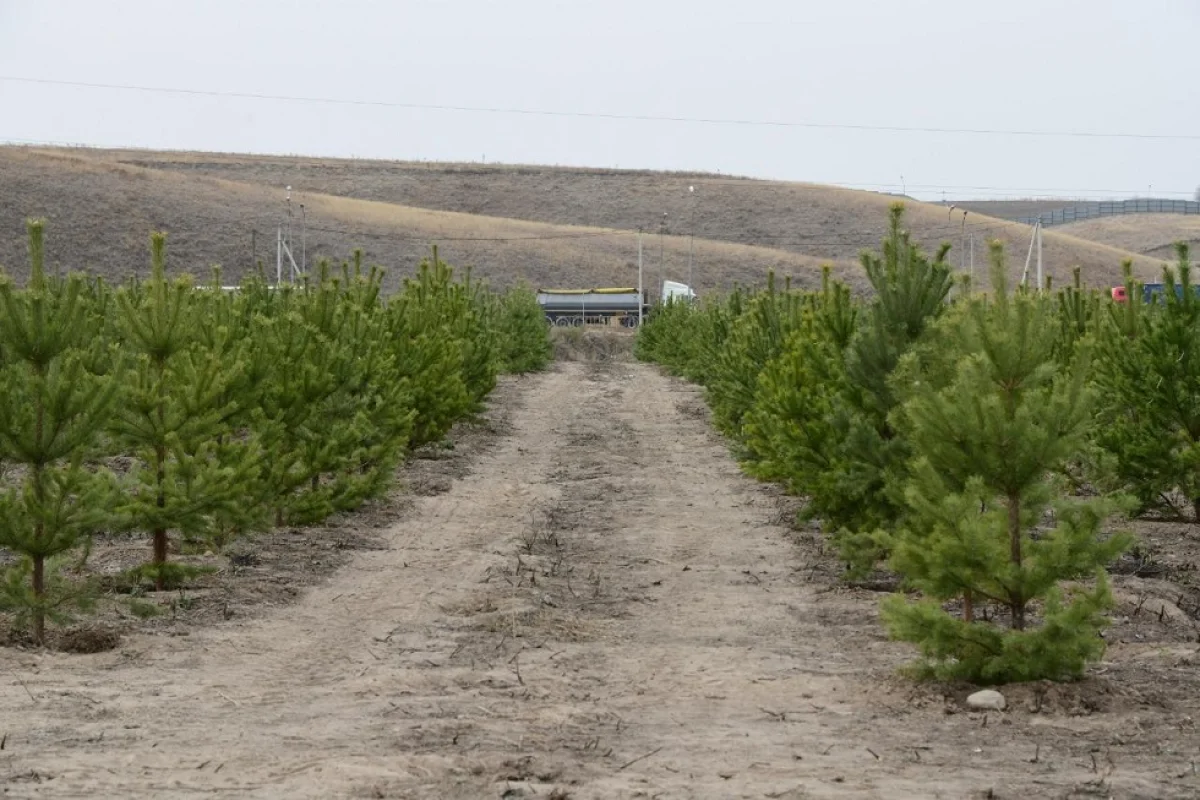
[1111, 209]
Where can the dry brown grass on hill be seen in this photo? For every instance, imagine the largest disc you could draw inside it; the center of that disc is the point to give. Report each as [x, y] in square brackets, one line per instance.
[1149, 234]
[822, 222]
[101, 214]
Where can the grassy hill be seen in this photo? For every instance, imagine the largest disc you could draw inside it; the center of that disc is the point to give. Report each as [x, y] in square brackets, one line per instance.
[1149, 234]
[101, 213]
[560, 226]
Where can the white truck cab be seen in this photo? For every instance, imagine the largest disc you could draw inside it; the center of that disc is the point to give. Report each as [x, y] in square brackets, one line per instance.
[673, 290]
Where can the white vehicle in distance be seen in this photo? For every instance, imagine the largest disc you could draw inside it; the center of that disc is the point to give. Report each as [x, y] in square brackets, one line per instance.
[675, 291]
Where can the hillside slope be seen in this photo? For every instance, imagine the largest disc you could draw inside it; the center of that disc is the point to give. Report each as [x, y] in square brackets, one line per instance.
[1152, 235]
[543, 225]
[101, 213]
[819, 221]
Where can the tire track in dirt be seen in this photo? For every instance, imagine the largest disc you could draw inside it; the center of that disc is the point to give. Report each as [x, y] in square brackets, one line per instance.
[603, 608]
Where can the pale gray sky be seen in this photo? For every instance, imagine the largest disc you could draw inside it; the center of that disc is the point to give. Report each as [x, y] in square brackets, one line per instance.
[1095, 66]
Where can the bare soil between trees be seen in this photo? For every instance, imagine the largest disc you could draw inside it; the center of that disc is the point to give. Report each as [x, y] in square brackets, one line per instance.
[584, 599]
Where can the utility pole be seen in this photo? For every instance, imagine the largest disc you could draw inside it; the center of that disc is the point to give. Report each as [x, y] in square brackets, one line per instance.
[283, 244]
[662, 235]
[641, 291]
[289, 218]
[1041, 284]
[972, 262]
[1029, 256]
[962, 259]
[691, 235]
[303, 230]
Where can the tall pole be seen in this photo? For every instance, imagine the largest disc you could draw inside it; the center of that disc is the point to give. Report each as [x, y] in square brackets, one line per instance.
[950, 221]
[662, 235]
[1040, 282]
[1029, 255]
[288, 238]
[962, 260]
[972, 263]
[278, 256]
[641, 294]
[303, 230]
[253, 249]
[691, 236]
[691, 291]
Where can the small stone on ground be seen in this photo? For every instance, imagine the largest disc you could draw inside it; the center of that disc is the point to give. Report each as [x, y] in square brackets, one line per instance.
[987, 700]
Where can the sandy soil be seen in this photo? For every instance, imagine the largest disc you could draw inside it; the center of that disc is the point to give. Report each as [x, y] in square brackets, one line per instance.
[603, 608]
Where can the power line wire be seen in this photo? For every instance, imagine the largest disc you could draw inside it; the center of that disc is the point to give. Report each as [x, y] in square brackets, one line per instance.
[599, 115]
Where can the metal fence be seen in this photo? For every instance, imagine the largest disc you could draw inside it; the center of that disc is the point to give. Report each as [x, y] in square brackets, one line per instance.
[1111, 209]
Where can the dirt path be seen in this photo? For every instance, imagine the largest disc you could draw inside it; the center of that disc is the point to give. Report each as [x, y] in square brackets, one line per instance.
[604, 608]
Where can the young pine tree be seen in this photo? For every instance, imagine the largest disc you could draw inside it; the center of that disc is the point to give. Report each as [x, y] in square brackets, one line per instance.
[686, 338]
[174, 420]
[304, 410]
[53, 412]
[1078, 315]
[910, 292]
[1148, 374]
[428, 355]
[297, 369]
[372, 397]
[986, 516]
[525, 344]
[470, 318]
[789, 430]
[847, 459]
[755, 339]
[225, 329]
[333, 407]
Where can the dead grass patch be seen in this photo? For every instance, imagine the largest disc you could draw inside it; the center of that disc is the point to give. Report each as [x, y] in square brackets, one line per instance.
[593, 344]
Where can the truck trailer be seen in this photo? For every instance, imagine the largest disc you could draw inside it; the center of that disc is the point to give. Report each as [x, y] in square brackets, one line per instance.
[575, 307]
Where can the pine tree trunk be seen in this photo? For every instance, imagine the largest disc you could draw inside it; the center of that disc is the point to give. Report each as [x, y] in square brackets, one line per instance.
[160, 558]
[39, 531]
[39, 591]
[316, 482]
[1016, 601]
[1196, 510]
[968, 607]
[160, 534]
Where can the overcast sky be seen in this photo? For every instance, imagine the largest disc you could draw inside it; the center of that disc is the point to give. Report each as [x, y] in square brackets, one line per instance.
[1088, 66]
